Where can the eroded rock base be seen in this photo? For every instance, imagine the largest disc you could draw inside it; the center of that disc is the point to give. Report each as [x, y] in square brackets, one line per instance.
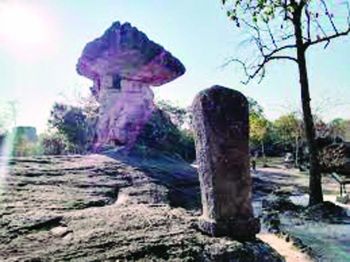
[235, 228]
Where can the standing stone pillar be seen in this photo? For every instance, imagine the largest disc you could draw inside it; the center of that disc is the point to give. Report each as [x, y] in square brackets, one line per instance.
[221, 126]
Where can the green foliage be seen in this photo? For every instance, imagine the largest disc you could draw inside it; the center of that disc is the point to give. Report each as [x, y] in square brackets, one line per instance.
[166, 131]
[162, 134]
[276, 137]
[178, 115]
[254, 107]
[25, 148]
[259, 10]
[347, 130]
[288, 128]
[259, 127]
[338, 128]
[262, 10]
[55, 143]
[71, 122]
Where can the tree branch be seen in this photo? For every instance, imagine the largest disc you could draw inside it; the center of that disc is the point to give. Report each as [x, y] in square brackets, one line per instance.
[326, 39]
[260, 68]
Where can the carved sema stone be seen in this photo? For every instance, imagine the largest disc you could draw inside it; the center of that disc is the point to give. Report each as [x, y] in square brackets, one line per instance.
[221, 126]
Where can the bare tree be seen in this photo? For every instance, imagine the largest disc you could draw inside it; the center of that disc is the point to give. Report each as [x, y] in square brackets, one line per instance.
[286, 30]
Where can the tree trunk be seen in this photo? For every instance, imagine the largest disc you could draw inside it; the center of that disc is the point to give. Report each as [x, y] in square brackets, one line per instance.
[263, 153]
[296, 151]
[315, 185]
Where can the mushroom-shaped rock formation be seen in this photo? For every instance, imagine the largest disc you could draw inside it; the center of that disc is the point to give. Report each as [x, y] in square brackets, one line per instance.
[123, 63]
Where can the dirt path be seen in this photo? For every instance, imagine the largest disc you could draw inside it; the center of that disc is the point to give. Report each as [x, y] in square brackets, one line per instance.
[286, 249]
[294, 181]
[290, 181]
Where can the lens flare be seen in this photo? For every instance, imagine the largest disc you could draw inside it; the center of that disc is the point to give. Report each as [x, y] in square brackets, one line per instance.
[5, 155]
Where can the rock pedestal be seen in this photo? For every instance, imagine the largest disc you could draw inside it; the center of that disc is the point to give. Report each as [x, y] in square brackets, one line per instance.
[123, 113]
[221, 125]
[123, 64]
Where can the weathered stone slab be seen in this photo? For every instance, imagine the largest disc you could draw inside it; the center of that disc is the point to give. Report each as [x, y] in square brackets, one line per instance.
[221, 125]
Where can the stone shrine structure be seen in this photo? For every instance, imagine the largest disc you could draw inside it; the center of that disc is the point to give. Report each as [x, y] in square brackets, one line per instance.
[221, 126]
[123, 63]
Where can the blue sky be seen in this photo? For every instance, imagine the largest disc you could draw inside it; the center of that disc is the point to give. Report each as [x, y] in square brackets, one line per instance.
[37, 62]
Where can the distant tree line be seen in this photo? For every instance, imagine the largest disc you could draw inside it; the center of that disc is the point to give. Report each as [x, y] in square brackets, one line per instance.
[287, 133]
[71, 130]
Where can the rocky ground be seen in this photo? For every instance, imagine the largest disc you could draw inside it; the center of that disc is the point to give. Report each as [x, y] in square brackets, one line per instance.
[322, 231]
[110, 208]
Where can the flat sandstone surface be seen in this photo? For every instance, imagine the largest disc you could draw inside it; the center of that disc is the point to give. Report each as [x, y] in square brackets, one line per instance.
[95, 208]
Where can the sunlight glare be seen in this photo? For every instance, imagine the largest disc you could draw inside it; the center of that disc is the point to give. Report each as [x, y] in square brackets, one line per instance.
[5, 155]
[24, 28]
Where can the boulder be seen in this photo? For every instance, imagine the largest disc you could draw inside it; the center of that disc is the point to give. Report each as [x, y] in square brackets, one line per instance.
[336, 158]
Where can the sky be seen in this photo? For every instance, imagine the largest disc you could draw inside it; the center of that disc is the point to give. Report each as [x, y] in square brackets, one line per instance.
[41, 41]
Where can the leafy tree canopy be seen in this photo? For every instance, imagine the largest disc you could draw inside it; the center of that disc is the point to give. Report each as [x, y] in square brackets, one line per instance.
[258, 128]
[288, 127]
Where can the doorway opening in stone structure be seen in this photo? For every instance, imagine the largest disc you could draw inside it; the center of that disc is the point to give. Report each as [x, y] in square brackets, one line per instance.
[117, 82]
[117, 142]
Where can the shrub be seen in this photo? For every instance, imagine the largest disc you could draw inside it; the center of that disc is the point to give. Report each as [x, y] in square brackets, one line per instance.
[73, 123]
[161, 134]
[55, 143]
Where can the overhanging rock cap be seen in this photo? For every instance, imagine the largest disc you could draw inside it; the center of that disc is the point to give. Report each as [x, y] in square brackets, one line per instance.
[126, 52]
